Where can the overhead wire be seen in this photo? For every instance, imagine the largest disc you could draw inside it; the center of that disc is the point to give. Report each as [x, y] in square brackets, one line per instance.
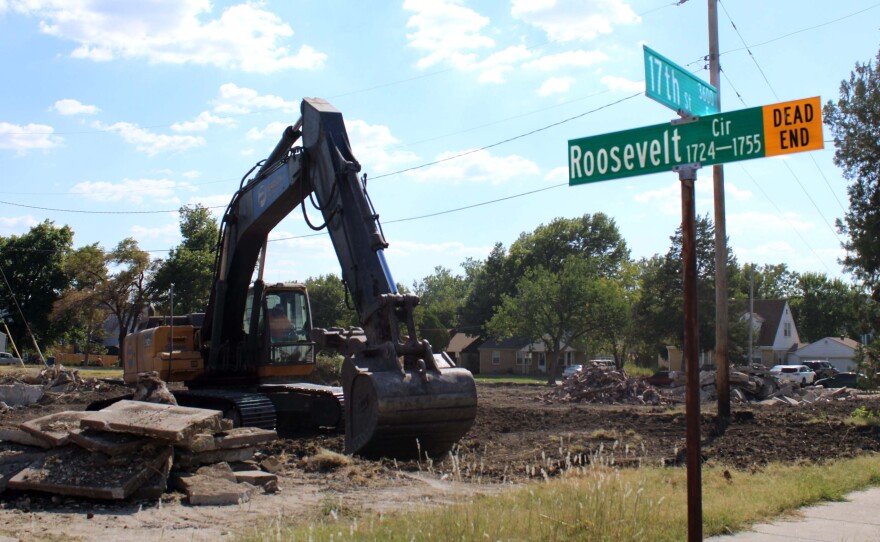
[398, 172]
[793, 174]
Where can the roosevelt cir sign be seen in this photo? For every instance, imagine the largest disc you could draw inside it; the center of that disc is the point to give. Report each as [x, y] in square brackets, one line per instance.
[756, 132]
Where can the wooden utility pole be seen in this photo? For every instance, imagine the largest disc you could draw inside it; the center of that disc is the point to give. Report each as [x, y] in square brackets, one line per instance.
[687, 175]
[722, 363]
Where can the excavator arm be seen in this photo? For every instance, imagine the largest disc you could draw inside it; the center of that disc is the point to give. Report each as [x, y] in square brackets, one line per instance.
[400, 397]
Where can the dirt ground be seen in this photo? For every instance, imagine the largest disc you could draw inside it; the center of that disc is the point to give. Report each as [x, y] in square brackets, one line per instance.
[515, 438]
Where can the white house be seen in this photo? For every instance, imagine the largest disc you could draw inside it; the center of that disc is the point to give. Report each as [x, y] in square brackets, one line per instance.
[776, 336]
[838, 351]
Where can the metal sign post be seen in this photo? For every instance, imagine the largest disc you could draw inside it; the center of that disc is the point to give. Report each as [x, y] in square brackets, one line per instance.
[687, 174]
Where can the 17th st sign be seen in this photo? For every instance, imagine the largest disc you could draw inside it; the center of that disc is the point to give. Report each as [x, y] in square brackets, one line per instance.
[757, 132]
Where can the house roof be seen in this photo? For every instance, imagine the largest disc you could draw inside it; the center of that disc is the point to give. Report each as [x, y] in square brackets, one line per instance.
[845, 341]
[461, 341]
[771, 311]
[510, 343]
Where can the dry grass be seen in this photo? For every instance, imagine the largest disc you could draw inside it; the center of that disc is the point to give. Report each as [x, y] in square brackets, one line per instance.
[602, 503]
[325, 461]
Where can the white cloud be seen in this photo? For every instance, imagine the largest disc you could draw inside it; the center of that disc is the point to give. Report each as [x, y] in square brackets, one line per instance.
[758, 222]
[444, 30]
[555, 85]
[557, 175]
[169, 232]
[619, 83]
[566, 59]
[201, 123]
[69, 106]
[272, 130]
[450, 249]
[374, 147]
[132, 190]
[667, 200]
[570, 20]
[16, 225]
[478, 166]
[238, 100]
[28, 137]
[244, 36]
[192, 174]
[149, 142]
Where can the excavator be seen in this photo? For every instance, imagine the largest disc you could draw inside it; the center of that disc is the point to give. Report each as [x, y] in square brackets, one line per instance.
[243, 356]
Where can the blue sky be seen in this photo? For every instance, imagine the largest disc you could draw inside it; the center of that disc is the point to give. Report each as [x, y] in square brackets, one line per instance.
[137, 108]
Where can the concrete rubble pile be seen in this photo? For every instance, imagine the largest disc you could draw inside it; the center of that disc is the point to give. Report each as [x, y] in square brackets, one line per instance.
[25, 389]
[757, 386]
[136, 450]
[597, 384]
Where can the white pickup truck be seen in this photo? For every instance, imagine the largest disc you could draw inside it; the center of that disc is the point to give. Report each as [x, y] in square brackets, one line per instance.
[796, 374]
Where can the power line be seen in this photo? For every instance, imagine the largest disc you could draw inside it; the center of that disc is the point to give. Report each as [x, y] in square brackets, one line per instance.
[770, 86]
[79, 211]
[514, 138]
[781, 214]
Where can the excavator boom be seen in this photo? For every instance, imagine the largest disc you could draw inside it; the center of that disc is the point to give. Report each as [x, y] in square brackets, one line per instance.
[401, 398]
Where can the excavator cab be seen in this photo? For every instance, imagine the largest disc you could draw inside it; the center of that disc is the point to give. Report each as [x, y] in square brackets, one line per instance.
[281, 329]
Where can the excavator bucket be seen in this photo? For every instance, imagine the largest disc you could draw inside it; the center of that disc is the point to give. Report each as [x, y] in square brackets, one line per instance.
[408, 414]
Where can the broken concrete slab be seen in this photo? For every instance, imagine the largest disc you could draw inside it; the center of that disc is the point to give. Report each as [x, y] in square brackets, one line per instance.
[156, 485]
[108, 443]
[213, 485]
[240, 437]
[18, 436]
[256, 477]
[19, 394]
[175, 424]
[71, 470]
[184, 458]
[207, 490]
[13, 462]
[55, 428]
[218, 470]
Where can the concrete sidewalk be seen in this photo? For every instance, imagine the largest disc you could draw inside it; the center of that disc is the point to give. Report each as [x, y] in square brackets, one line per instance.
[855, 520]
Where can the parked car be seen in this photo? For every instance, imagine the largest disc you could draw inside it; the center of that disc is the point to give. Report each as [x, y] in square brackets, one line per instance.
[823, 369]
[841, 380]
[796, 374]
[571, 369]
[661, 378]
[8, 359]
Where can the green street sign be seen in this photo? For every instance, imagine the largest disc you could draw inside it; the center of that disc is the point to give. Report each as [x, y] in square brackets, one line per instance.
[756, 132]
[677, 88]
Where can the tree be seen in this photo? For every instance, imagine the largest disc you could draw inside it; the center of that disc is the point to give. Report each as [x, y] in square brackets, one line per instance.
[33, 264]
[591, 237]
[127, 292]
[80, 307]
[594, 238]
[855, 125]
[824, 307]
[190, 266]
[443, 294]
[328, 301]
[771, 282]
[659, 314]
[489, 281]
[559, 308]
